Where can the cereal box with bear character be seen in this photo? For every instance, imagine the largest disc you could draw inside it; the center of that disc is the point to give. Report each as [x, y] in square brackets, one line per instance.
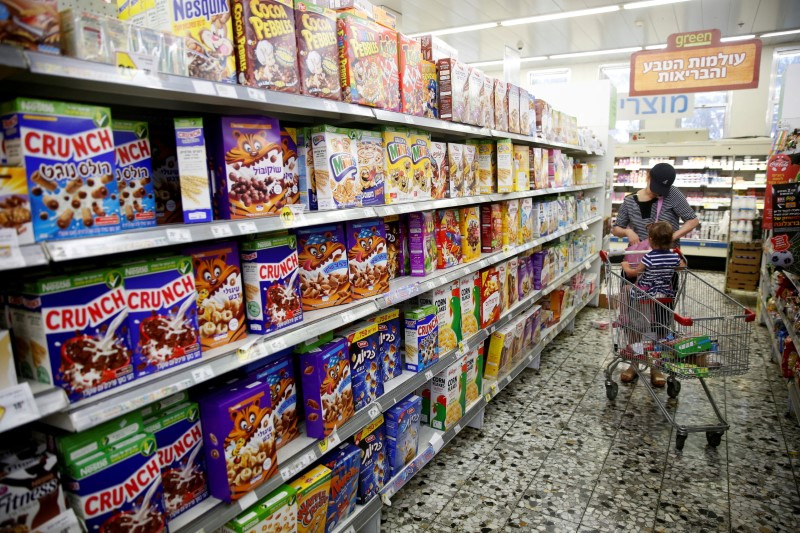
[317, 50]
[412, 92]
[389, 341]
[371, 167]
[279, 375]
[402, 432]
[335, 158]
[394, 246]
[266, 50]
[470, 220]
[430, 86]
[397, 159]
[344, 463]
[448, 394]
[134, 174]
[422, 242]
[276, 513]
[327, 388]
[448, 238]
[368, 258]
[440, 184]
[421, 337]
[313, 491]
[470, 292]
[375, 469]
[366, 373]
[324, 270]
[271, 285]
[420, 146]
[361, 60]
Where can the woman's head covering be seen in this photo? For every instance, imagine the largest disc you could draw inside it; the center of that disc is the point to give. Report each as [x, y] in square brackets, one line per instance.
[662, 176]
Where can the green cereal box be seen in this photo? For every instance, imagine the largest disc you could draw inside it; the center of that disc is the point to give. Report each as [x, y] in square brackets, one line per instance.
[448, 395]
[473, 378]
[276, 512]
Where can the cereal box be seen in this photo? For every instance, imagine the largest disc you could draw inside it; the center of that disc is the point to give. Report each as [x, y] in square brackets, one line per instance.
[421, 337]
[266, 51]
[305, 164]
[420, 146]
[133, 171]
[32, 25]
[539, 178]
[390, 77]
[526, 220]
[31, 488]
[430, 86]
[276, 513]
[179, 437]
[524, 113]
[412, 92]
[491, 228]
[487, 102]
[448, 395]
[511, 227]
[470, 293]
[491, 299]
[500, 105]
[15, 204]
[313, 490]
[474, 375]
[365, 364]
[422, 242]
[501, 346]
[448, 238]
[394, 246]
[402, 432]
[360, 61]
[501, 277]
[293, 178]
[279, 375]
[317, 50]
[271, 287]
[344, 463]
[440, 186]
[67, 151]
[397, 158]
[371, 167]
[367, 257]
[470, 220]
[327, 388]
[324, 271]
[433, 48]
[162, 313]
[220, 299]
[72, 329]
[335, 157]
[453, 90]
[511, 286]
[389, 340]
[525, 276]
[487, 157]
[166, 178]
[375, 469]
[513, 108]
[475, 98]
[193, 170]
[522, 173]
[455, 163]
[505, 166]
[447, 300]
[470, 162]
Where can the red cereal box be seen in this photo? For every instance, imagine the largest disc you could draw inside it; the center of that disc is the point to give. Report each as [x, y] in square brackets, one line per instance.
[360, 60]
[491, 228]
[491, 302]
[409, 62]
[390, 76]
[448, 238]
[317, 50]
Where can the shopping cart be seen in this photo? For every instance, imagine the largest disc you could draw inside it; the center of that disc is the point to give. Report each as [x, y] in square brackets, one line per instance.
[699, 333]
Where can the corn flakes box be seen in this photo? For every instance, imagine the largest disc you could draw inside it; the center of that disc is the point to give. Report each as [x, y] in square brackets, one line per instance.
[475, 98]
[323, 266]
[15, 206]
[412, 92]
[276, 513]
[280, 376]
[421, 337]
[447, 300]
[430, 87]
[470, 221]
[522, 174]
[526, 220]
[505, 166]
[402, 432]
[317, 50]
[510, 222]
[365, 365]
[491, 297]
[470, 294]
[500, 105]
[513, 108]
[512, 282]
[344, 463]
[389, 340]
[487, 158]
[327, 388]
[448, 238]
[440, 185]
[491, 228]
[487, 101]
[335, 159]
[134, 174]
[361, 58]
[397, 158]
[367, 257]
[474, 375]
[423, 251]
[313, 490]
[470, 161]
[455, 162]
[448, 395]
[420, 146]
[371, 167]
[394, 246]
[375, 468]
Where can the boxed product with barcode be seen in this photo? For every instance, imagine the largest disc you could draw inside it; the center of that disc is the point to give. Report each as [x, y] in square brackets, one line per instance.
[448, 396]
[313, 492]
[491, 298]
[487, 159]
[422, 242]
[491, 228]
[421, 337]
[473, 382]
[522, 174]
[390, 339]
[500, 105]
[375, 468]
[447, 301]
[501, 345]
[365, 365]
[453, 90]
[279, 374]
[470, 296]
[440, 180]
[422, 172]
[505, 166]
[193, 169]
[513, 108]
[470, 222]
[402, 432]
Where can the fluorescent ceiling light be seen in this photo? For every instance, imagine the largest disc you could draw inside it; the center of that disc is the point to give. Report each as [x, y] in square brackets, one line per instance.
[780, 33]
[736, 38]
[486, 63]
[457, 29]
[651, 3]
[560, 15]
[655, 47]
[533, 58]
[597, 52]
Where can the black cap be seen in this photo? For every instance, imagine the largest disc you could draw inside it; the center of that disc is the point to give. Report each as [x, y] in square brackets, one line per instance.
[662, 176]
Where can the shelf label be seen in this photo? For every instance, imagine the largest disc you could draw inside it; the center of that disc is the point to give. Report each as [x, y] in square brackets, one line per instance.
[203, 373]
[247, 227]
[488, 397]
[348, 316]
[584, 227]
[17, 406]
[437, 442]
[457, 428]
[257, 94]
[277, 345]
[330, 106]
[179, 235]
[409, 119]
[329, 443]
[428, 375]
[587, 265]
[248, 500]
[227, 90]
[10, 253]
[204, 87]
[430, 285]
[374, 411]
[221, 230]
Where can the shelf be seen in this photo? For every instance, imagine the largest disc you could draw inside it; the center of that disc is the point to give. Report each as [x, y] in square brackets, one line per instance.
[713, 205]
[28, 402]
[360, 517]
[743, 168]
[746, 185]
[679, 185]
[767, 319]
[787, 322]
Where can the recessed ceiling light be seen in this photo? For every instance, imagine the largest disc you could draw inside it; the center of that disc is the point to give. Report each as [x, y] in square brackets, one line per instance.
[655, 47]
[651, 3]
[457, 29]
[560, 15]
[597, 52]
[780, 33]
[736, 38]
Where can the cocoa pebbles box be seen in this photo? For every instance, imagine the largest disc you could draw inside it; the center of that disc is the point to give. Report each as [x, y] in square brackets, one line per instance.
[75, 332]
[363, 342]
[271, 287]
[67, 151]
[324, 272]
[360, 61]
[317, 50]
[266, 52]
[327, 388]
[162, 313]
[134, 171]
[367, 257]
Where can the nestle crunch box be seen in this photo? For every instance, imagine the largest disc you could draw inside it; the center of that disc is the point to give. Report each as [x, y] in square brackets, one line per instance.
[133, 170]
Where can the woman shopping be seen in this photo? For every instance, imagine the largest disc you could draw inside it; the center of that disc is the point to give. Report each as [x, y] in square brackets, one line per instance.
[659, 201]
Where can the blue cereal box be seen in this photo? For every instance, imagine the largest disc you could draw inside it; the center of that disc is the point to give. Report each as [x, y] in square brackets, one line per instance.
[421, 338]
[75, 330]
[365, 364]
[134, 172]
[389, 338]
[279, 375]
[271, 284]
[368, 257]
[344, 463]
[327, 388]
[190, 149]
[162, 313]
[67, 151]
[402, 432]
[374, 471]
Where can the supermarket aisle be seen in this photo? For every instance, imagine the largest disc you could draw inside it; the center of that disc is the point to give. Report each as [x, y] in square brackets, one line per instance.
[556, 455]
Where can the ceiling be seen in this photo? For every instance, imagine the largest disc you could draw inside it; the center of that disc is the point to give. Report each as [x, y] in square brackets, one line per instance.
[618, 29]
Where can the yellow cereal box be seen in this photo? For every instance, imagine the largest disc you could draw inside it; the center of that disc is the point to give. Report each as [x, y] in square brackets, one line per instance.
[419, 143]
[500, 349]
[505, 166]
[487, 158]
[399, 166]
[510, 222]
[470, 233]
[313, 489]
[470, 292]
[522, 173]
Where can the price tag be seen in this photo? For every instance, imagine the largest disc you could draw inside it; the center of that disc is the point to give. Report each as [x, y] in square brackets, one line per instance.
[286, 474]
[488, 397]
[437, 442]
[374, 411]
[257, 94]
[247, 227]
[327, 444]
[17, 406]
[330, 106]
[277, 344]
[179, 235]
[584, 227]
[430, 285]
[587, 265]
[390, 210]
[287, 217]
[203, 87]
[10, 254]
[248, 500]
[493, 388]
[428, 375]
[348, 317]
[409, 119]
[457, 428]
[204, 373]
[466, 271]
[227, 90]
[350, 529]
[221, 230]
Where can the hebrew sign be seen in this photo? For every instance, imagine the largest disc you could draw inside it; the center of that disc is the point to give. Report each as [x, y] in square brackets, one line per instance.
[660, 106]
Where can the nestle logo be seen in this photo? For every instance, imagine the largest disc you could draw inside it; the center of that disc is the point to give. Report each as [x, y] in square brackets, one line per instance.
[38, 106]
[249, 257]
[55, 285]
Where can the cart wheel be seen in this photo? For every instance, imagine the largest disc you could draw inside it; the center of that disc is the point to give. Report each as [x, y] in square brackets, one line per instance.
[680, 440]
[714, 438]
[673, 387]
[611, 389]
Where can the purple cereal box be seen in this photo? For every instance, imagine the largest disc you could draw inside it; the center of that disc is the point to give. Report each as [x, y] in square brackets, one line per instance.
[368, 258]
[324, 271]
[365, 363]
[344, 463]
[279, 375]
[422, 242]
[327, 388]
[389, 340]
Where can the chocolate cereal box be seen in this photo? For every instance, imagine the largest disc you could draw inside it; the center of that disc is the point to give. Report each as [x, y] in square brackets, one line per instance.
[448, 394]
[448, 238]
[67, 151]
[361, 60]
[166, 177]
[455, 163]
[375, 468]
[412, 92]
[344, 463]
[440, 184]
[402, 432]
[327, 388]
[266, 51]
[276, 513]
[367, 257]
[335, 156]
[317, 50]
[470, 294]
[447, 300]
[366, 371]
[420, 146]
[470, 163]
[430, 87]
[453, 90]
[500, 105]
[313, 491]
[394, 246]
[15, 205]
[293, 174]
[422, 242]
[505, 166]
[371, 168]
[133, 171]
[279, 375]
[397, 158]
[324, 270]
[389, 341]
[271, 287]
[470, 223]
[421, 337]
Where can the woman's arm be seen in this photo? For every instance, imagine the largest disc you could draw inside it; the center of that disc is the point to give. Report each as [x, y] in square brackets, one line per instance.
[684, 212]
[621, 229]
[629, 270]
[686, 228]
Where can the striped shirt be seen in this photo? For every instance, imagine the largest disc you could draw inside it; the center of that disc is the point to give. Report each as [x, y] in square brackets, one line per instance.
[637, 215]
[660, 266]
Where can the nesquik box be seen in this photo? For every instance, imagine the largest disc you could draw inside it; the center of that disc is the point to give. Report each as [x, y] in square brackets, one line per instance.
[271, 287]
[491, 303]
[134, 174]
[421, 337]
[370, 166]
[453, 90]
[293, 180]
[375, 469]
[412, 92]
[420, 147]
[344, 463]
[487, 102]
[279, 376]
[455, 163]
[397, 159]
[239, 438]
[366, 371]
[500, 105]
[266, 50]
[430, 86]
[470, 225]
[470, 162]
[440, 180]
[422, 242]
[335, 159]
[513, 108]
[276, 513]
[448, 238]
[327, 388]
[323, 266]
[368, 258]
[394, 246]
[389, 341]
[361, 59]
[313, 491]
[475, 98]
[317, 50]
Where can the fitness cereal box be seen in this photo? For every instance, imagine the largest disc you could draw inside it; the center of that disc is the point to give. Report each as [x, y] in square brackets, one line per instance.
[487, 158]
[266, 51]
[371, 167]
[162, 313]
[67, 151]
[470, 170]
[455, 163]
[412, 92]
[313, 490]
[113, 478]
[271, 288]
[317, 50]
[276, 513]
[190, 148]
[511, 286]
[279, 375]
[360, 61]
[179, 437]
[501, 277]
[324, 271]
[470, 223]
[511, 227]
[335, 158]
[394, 246]
[71, 332]
[421, 337]
[522, 174]
[344, 463]
[491, 228]
[420, 147]
[327, 388]
[474, 378]
[448, 238]
[470, 294]
[389, 344]
[31, 487]
[367, 257]
[375, 468]
[491, 299]
[430, 87]
[453, 90]
[134, 174]
[422, 242]
[402, 432]
[239, 438]
[500, 105]
[513, 108]
[448, 394]
[166, 177]
[447, 300]
[15, 212]
[474, 95]
[366, 372]
[397, 158]
[526, 220]
[293, 179]
[505, 166]
[220, 299]
[440, 179]
[487, 102]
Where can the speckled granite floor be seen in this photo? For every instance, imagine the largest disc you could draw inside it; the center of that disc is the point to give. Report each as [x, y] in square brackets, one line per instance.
[555, 455]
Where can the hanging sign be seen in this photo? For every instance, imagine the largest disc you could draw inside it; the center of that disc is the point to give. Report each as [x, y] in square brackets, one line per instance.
[663, 106]
[696, 62]
[780, 170]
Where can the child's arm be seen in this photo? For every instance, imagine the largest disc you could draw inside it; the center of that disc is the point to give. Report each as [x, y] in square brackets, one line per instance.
[629, 270]
[682, 264]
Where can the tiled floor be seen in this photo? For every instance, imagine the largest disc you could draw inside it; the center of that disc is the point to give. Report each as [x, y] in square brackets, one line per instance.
[555, 455]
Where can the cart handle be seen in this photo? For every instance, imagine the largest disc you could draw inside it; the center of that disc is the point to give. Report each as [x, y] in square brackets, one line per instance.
[683, 320]
[749, 316]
